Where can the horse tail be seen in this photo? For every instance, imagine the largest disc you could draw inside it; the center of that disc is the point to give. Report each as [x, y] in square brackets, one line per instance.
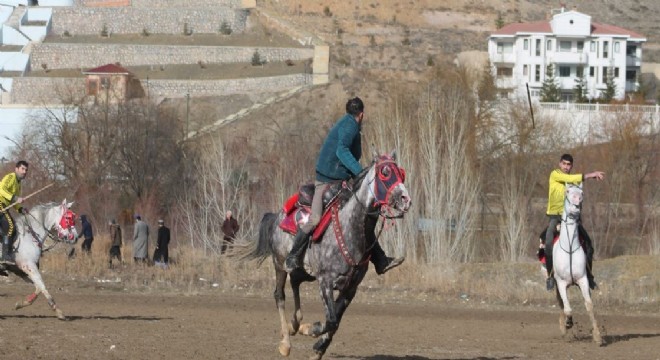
[263, 247]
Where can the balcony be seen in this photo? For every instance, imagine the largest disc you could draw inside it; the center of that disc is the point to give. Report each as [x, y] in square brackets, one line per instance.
[631, 86]
[505, 82]
[504, 58]
[633, 61]
[570, 58]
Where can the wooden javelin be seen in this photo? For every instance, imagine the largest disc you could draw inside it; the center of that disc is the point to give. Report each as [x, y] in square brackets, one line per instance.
[27, 197]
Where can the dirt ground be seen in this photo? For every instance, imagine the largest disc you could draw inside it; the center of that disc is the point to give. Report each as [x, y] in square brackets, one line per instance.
[111, 324]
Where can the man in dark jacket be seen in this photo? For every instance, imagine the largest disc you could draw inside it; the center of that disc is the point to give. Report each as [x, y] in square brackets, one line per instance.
[116, 241]
[229, 228]
[338, 161]
[162, 253]
[87, 233]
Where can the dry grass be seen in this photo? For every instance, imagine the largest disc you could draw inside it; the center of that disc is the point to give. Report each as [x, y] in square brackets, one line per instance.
[630, 283]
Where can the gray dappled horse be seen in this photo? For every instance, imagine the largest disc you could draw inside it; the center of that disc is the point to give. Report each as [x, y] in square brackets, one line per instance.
[340, 258]
[570, 262]
[32, 230]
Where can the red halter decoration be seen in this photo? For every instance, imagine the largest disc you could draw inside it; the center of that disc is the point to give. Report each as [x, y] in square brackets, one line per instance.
[67, 222]
[388, 176]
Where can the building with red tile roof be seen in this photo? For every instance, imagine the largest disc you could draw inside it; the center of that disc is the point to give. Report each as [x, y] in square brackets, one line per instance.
[575, 46]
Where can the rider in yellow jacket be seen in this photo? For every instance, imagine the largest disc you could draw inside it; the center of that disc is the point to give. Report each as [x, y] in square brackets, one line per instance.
[556, 192]
[10, 191]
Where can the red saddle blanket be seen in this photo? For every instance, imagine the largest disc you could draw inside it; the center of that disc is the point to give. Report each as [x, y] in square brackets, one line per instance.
[541, 252]
[297, 215]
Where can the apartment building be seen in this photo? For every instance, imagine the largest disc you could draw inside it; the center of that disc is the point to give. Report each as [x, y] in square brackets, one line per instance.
[575, 46]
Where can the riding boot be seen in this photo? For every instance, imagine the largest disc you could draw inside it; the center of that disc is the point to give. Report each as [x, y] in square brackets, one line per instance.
[550, 281]
[6, 249]
[295, 258]
[381, 262]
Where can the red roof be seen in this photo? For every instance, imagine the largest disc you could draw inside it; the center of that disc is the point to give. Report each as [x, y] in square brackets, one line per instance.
[108, 69]
[604, 29]
[544, 27]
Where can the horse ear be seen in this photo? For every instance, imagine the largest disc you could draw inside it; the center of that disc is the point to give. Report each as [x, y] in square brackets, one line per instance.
[69, 205]
[393, 154]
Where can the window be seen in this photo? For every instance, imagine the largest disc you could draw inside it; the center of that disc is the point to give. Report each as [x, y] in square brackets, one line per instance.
[538, 47]
[105, 82]
[526, 44]
[579, 71]
[565, 46]
[580, 46]
[592, 46]
[631, 75]
[604, 74]
[616, 72]
[504, 48]
[617, 47]
[592, 71]
[606, 50]
[548, 45]
[525, 70]
[564, 71]
[631, 51]
[537, 73]
[92, 87]
[504, 72]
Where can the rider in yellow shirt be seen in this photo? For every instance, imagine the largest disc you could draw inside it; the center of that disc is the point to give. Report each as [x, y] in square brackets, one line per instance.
[556, 192]
[10, 193]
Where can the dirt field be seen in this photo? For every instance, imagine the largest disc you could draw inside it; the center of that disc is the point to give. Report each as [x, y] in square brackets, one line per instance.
[108, 324]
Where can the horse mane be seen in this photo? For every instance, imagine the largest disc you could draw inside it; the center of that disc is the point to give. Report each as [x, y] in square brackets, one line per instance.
[354, 184]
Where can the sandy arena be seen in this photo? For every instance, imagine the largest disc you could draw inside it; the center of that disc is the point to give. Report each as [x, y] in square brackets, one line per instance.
[109, 324]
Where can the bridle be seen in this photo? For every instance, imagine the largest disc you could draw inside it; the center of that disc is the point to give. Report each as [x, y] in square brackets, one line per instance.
[64, 229]
[388, 175]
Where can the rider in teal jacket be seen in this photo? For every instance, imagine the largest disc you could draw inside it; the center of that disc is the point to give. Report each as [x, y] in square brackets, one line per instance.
[338, 160]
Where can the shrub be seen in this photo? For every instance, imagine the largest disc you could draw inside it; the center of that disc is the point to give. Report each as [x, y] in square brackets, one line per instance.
[225, 29]
[66, 33]
[429, 61]
[44, 66]
[104, 31]
[256, 59]
[289, 62]
[201, 64]
[187, 30]
[145, 32]
[327, 12]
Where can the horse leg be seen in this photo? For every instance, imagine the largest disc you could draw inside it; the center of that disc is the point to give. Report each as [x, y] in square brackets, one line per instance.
[280, 281]
[297, 277]
[566, 314]
[583, 283]
[331, 323]
[34, 275]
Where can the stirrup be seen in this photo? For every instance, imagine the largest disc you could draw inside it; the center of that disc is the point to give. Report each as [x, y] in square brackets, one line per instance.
[391, 264]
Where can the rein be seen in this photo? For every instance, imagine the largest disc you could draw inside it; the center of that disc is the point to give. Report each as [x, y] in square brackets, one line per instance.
[565, 222]
[47, 234]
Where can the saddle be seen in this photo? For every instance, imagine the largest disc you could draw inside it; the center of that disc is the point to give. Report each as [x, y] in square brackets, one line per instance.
[298, 208]
[541, 252]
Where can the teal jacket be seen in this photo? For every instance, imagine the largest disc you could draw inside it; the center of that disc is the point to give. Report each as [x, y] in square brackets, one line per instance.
[341, 151]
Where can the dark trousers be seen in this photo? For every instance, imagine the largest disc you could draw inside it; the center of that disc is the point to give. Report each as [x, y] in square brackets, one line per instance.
[7, 224]
[87, 245]
[226, 243]
[115, 253]
[162, 255]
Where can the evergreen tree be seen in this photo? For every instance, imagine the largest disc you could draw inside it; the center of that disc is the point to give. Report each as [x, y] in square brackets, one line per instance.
[610, 87]
[550, 91]
[580, 90]
[499, 22]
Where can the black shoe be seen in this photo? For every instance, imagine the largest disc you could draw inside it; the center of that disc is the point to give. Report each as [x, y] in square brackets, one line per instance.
[550, 283]
[295, 258]
[388, 264]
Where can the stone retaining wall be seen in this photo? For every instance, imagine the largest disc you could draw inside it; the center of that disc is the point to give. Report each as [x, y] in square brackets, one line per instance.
[132, 20]
[159, 3]
[74, 56]
[39, 90]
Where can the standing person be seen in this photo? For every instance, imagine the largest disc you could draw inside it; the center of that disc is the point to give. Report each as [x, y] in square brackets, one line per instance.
[140, 240]
[87, 233]
[115, 241]
[161, 254]
[556, 192]
[10, 193]
[338, 161]
[229, 228]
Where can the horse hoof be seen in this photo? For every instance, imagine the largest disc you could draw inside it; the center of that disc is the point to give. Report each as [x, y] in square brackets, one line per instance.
[292, 330]
[316, 356]
[284, 349]
[306, 329]
[569, 323]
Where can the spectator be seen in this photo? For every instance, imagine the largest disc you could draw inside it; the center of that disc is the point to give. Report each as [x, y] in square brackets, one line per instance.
[229, 228]
[140, 240]
[161, 255]
[115, 241]
[86, 233]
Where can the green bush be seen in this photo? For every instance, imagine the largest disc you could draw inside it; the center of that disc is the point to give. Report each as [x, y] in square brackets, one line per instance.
[225, 28]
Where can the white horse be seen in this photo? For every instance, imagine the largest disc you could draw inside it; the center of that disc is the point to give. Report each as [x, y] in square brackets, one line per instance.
[33, 229]
[570, 263]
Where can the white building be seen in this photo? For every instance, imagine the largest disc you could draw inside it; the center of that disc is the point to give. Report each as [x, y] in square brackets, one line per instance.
[575, 46]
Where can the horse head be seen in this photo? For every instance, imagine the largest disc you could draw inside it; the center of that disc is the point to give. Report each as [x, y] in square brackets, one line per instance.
[62, 218]
[390, 194]
[573, 201]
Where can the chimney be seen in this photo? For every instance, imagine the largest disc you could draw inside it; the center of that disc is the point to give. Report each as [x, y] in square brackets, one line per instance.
[563, 7]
